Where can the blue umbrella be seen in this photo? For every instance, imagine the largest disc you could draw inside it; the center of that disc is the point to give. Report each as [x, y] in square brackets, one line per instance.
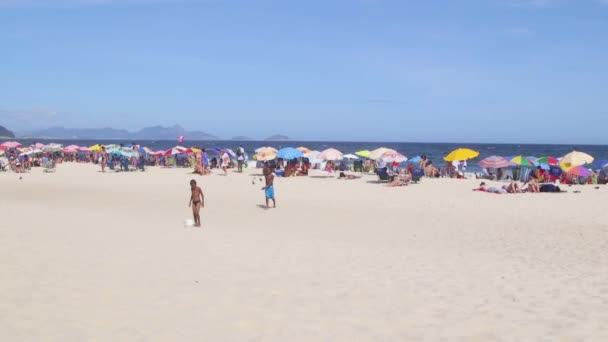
[602, 164]
[289, 153]
[415, 160]
[543, 166]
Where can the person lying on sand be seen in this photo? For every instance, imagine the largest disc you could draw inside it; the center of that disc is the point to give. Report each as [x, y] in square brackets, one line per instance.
[400, 180]
[345, 176]
[482, 187]
[512, 188]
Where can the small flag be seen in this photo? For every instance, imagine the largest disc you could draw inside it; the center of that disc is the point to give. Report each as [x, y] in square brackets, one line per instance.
[181, 139]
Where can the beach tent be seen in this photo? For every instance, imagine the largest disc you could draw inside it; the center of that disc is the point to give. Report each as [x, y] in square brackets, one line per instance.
[461, 154]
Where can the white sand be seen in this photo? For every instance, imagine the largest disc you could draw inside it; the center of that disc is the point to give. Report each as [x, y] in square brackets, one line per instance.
[105, 257]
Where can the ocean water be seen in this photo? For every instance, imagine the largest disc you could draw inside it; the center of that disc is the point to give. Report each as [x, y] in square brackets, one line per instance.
[434, 151]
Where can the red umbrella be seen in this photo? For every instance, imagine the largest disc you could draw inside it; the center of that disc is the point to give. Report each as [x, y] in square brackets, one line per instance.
[9, 144]
[175, 150]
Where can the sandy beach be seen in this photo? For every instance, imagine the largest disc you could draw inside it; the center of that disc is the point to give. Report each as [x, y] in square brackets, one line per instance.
[105, 257]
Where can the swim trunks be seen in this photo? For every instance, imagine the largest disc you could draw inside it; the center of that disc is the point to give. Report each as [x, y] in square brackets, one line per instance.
[270, 191]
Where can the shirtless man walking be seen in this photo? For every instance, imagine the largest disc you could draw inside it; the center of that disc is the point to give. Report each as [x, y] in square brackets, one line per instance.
[269, 188]
[197, 201]
[104, 158]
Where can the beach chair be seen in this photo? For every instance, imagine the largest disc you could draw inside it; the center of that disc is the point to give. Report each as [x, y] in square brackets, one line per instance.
[417, 174]
[383, 175]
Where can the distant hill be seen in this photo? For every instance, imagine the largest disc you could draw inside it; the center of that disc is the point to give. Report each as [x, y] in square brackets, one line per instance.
[148, 133]
[5, 133]
[241, 138]
[277, 137]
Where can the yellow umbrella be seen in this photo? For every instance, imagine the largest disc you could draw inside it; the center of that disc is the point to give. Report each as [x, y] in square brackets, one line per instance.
[461, 154]
[265, 155]
[379, 152]
[304, 150]
[95, 148]
[575, 158]
[363, 153]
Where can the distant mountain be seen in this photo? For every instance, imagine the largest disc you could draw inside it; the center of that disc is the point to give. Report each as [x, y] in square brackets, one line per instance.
[81, 133]
[241, 138]
[5, 133]
[148, 133]
[277, 137]
[171, 133]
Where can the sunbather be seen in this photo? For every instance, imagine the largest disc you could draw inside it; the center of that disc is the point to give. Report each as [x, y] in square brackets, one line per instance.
[512, 188]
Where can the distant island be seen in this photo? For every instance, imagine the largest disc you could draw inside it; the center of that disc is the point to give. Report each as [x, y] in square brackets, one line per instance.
[241, 138]
[277, 137]
[148, 133]
[5, 133]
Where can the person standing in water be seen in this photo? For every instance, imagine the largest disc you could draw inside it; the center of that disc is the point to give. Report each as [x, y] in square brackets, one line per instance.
[269, 188]
[197, 201]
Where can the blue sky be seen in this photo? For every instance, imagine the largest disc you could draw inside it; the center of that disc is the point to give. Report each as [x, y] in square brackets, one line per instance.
[455, 71]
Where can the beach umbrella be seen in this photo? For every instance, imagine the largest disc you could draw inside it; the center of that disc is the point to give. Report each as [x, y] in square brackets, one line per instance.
[461, 154]
[52, 148]
[148, 150]
[289, 153]
[112, 147]
[495, 162]
[38, 146]
[9, 144]
[350, 156]
[158, 153]
[548, 160]
[304, 150]
[415, 160]
[265, 155]
[576, 158]
[532, 159]
[379, 152]
[84, 149]
[391, 157]
[602, 164]
[192, 150]
[363, 153]
[258, 150]
[543, 166]
[330, 154]
[175, 150]
[579, 171]
[95, 148]
[72, 147]
[522, 161]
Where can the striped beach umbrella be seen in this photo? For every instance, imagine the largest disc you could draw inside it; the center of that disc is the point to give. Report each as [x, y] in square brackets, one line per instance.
[379, 152]
[495, 162]
[391, 157]
[175, 150]
[579, 171]
[522, 161]
[548, 160]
